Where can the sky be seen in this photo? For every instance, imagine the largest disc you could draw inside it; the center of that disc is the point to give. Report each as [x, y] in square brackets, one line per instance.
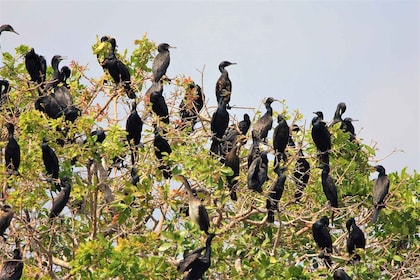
[313, 54]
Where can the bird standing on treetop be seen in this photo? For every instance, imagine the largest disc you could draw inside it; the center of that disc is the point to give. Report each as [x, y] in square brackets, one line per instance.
[347, 126]
[321, 137]
[36, 65]
[50, 162]
[161, 61]
[219, 124]
[60, 201]
[280, 139]
[162, 149]
[340, 274]
[323, 239]
[118, 70]
[196, 209]
[6, 217]
[380, 190]
[224, 85]
[257, 172]
[356, 238]
[341, 108]
[134, 127]
[195, 263]
[265, 123]
[12, 152]
[191, 105]
[274, 193]
[12, 269]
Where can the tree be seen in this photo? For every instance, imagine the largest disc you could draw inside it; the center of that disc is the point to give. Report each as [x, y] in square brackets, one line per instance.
[112, 229]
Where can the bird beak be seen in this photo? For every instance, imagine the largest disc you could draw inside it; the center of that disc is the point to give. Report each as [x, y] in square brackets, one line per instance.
[15, 32]
[171, 47]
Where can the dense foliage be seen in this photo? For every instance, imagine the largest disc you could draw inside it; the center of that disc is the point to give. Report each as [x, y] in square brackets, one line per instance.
[112, 229]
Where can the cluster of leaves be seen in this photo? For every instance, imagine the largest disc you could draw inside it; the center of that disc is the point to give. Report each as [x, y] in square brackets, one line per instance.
[115, 230]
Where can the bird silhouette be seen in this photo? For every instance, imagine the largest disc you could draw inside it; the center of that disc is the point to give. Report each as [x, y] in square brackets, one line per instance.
[161, 62]
[321, 137]
[275, 193]
[223, 84]
[356, 239]
[380, 190]
[280, 140]
[51, 164]
[12, 269]
[323, 239]
[12, 152]
[257, 172]
[6, 217]
[60, 201]
[265, 123]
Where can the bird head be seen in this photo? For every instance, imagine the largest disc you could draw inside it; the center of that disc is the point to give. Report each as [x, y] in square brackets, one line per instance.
[324, 220]
[225, 63]
[379, 168]
[7, 27]
[349, 223]
[164, 47]
[269, 100]
[319, 114]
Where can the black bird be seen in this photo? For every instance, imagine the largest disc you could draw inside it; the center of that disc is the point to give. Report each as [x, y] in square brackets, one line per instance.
[280, 139]
[162, 149]
[159, 106]
[161, 61]
[356, 238]
[6, 217]
[347, 126]
[62, 198]
[191, 105]
[321, 137]
[274, 194]
[323, 239]
[195, 263]
[257, 172]
[341, 108]
[245, 124]
[232, 160]
[49, 105]
[254, 150]
[36, 65]
[134, 176]
[12, 152]
[196, 209]
[233, 132]
[51, 162]
[4, 90]
[134, 127]
[224, 85]
[301, 174]
[328, 186]
[265, 123]
[12, 269]
[7, 27]
[57, 76]
[380, 190]
[340, 274]
[65, 73]
[118, 70]
[219, 124]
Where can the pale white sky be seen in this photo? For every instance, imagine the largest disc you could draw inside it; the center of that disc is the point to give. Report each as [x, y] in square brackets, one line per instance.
[314, 54]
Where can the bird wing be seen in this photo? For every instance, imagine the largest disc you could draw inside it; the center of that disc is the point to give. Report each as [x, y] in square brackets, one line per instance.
[381, 189]
[189, 259]
[204, 220]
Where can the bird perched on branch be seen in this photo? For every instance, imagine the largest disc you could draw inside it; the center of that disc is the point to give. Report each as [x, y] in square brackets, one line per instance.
[196, 209]
[6, 217]
[340, 274]
[280, 140]
[12, 269]
[265, 123]
[196, 263]
[356, 239]
[162, 149]
[12, 152]
[191, 105]
[275, 193]
[339, 111]
[161, 61]
[257, 172]
[60, 201]
[134, 127]
[51, 164]
[380, 190]
[301, 174]
[223, 84]
[323, 239]
[321, 137]
[36, 65]
[219, 124]
[232, 160]
[329, 188]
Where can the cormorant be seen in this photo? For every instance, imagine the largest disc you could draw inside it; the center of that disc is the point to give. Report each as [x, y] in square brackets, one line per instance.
[328, 186]
[162, 149]
[49, 105]
[6, 217]
[12, 269]
[254, 150]
[224, 85]
[134, 126]
[265, 123]
[191, 105]
[62, 198]
[57, 76]
[65, 73]
[301, 174]
[159, 106]
[245, 124]
[161, 61]
[257, 172]
[347, 126]
[274, 194]
[323, 239]
[195, 263]
[196, 209]
[321, 137]
[356, 238]
[4, 89]
[380, 190]
[341, 108]
[118, 71]
[232, 160]
[280, 140]
[7, 27]
[50, 162]
[219, 124]
[340, 274]
[36, 65]
[134, 176]
[233, 132]
[12, 152]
